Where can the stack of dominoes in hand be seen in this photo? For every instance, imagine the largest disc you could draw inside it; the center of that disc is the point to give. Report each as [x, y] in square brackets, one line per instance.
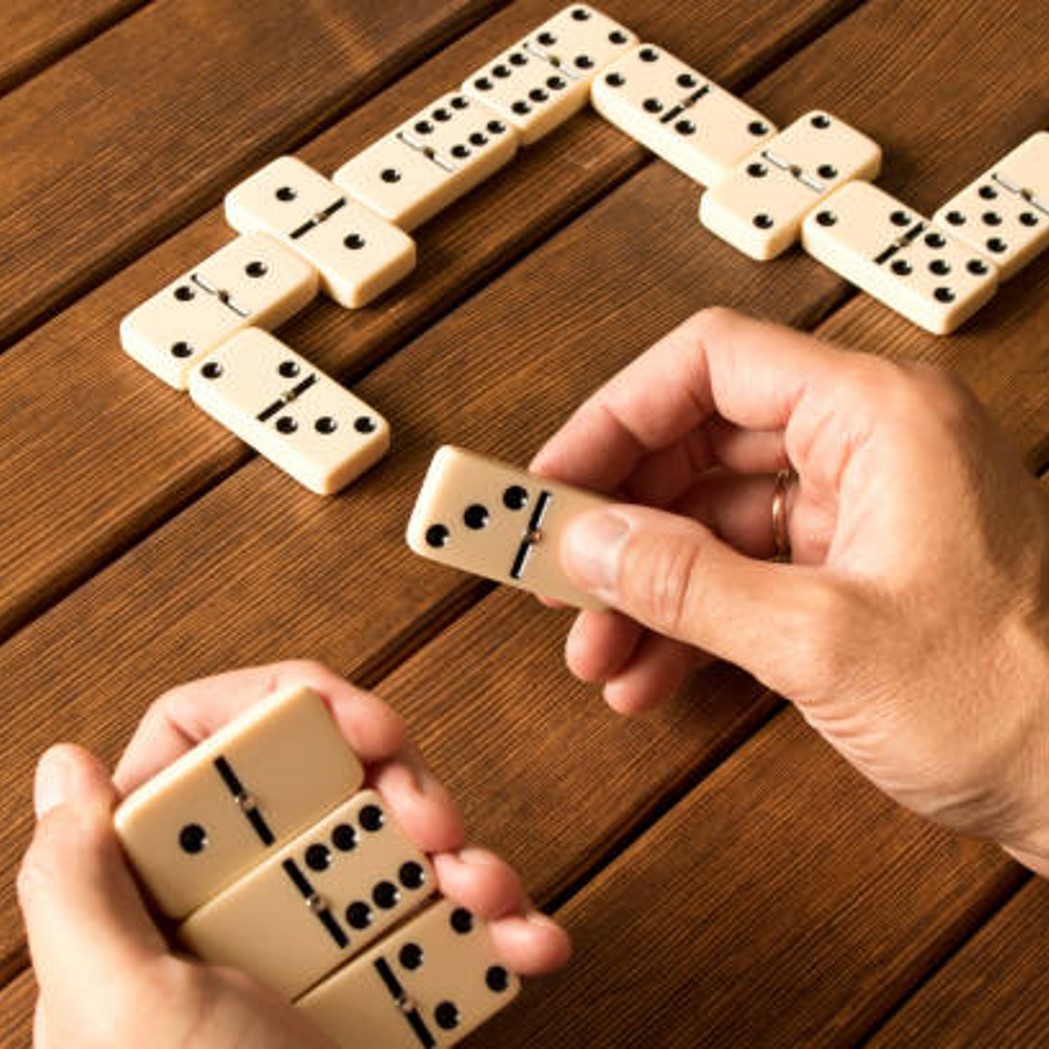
[263, 848]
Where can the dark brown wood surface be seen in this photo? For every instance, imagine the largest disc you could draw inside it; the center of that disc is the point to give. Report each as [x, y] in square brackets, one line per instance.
[732, 882]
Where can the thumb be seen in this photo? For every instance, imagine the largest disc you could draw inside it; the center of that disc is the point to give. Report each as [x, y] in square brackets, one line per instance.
[83, 912]
[677, 578]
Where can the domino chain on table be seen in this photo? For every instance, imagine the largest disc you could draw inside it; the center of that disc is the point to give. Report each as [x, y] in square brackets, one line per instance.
[263, 840]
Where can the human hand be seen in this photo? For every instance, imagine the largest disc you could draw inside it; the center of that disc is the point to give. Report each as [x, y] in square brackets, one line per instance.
[911, 629]
[107, 977]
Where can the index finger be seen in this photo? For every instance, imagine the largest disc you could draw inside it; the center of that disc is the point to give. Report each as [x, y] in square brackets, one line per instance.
[189, 713]
[718, 362]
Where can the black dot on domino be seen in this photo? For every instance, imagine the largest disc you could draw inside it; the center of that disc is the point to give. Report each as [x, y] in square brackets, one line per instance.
[461, 921]
[648, 54]
[827, 171]
[1028, 218]
[997, 245]
[475, 516]
[184, 293]
[411, 956]
[988, 193]
[900, 218]
[944, 295]
[286, 193]
[955, 218]
[757, 128]
[615, 80]
[358, 915]
[497, 979]
[940, 267]
[354, 241]
[935, 241]
[256, 269]
[617, 36]
[902, 268]
[652, 105]
[685, 127]
[286, 424]
[687, 81]
[992, 218]
[193, 838]
[447, 1016]
[437, 536]
[580, 14]
[757, 170]
[584, 62]
[515, 497]
[372, 818]
[211, 369]
[411, 875]
[518, 58]
[763, 221]
[391, 175]
[318, 857]
[820, 121]
[547, 39]
[501, 71]
[977, 267]
[826, 218]
[181, 350]
[288, 369]
[344, 838]
[385, 895]
[521, 108]
[555, 83]
[364, 424]
[537, 94]
[326, 425]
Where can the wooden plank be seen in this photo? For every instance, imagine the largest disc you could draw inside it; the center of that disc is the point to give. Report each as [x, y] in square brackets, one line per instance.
[37, 34]
[783, 903]
[995, 991]
[137, 131]
[131, 452]
[16, 1017]
[259, 569]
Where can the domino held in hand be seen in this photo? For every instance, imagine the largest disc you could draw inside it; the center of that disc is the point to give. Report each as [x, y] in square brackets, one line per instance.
[498, 521]
[235, 798]
[429, 984]
[253, 280]
[679, 114]
[1004, 214]
[300, 419]
[358, 254]
[316, 902]
[894, 254]
[429, 162]
[760, 206]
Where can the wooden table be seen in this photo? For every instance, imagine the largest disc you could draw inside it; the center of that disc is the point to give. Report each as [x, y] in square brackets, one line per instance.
[729, 881]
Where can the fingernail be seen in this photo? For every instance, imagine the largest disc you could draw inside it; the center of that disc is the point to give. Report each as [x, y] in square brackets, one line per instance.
[593, 546]
[53, 781]
[540, 919]
[476, 857]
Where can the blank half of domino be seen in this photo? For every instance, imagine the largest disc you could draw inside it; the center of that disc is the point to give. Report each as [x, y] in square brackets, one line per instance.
[907, 262]
[1004, 214]
[760, 205]
[678, 113]
[482, 516]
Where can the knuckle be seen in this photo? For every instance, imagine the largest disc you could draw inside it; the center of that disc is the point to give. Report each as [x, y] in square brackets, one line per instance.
[662, 573]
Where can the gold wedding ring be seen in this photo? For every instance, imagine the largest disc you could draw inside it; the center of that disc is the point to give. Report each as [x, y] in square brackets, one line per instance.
[780, 532]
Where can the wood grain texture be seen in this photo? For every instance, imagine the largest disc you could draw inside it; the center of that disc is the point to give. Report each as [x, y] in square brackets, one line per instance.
[35, 34]
[140, 129]
[285, 573]
[994, 992]
[159, 453]
[785, 902]
[254, 569]
[16, 1016]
